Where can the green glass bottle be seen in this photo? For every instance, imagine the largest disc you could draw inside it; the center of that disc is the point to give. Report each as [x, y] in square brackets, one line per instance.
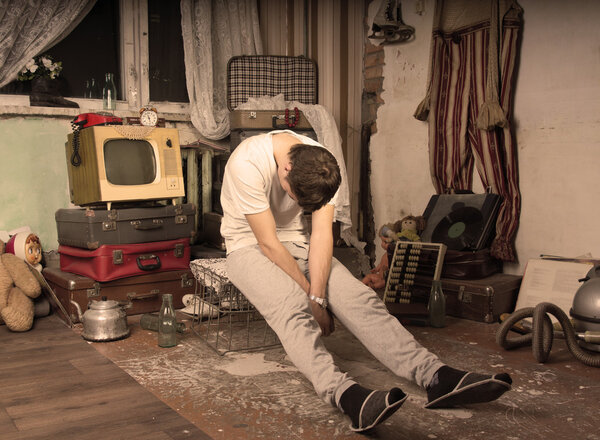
[149, 321]
[167, 323]
[437, 305]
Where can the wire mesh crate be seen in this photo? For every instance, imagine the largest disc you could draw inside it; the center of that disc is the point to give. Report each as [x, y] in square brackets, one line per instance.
[222, 315]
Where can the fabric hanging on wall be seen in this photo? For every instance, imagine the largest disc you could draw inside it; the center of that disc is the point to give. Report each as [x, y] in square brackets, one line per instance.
[213, 32]
[468, 104]
[28, 28]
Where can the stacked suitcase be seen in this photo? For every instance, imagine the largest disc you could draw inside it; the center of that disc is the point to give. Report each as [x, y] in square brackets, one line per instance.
[257, 76]
[132, 255]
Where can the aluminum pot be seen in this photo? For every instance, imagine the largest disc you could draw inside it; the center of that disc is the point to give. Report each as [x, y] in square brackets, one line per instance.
[103, 321]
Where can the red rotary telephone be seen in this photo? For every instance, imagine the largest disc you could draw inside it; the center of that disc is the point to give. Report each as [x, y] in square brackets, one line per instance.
[85, 120]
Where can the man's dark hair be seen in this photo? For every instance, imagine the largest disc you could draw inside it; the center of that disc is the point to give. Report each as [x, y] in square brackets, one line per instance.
[314, 177]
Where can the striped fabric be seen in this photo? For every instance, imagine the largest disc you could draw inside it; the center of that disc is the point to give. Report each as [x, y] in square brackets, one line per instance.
[457, 92]
[256, 76]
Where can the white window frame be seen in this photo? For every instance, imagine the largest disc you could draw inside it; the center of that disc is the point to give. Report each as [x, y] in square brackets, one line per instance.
[134, 60]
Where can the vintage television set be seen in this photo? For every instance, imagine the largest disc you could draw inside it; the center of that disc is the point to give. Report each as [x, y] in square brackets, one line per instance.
[115, 163]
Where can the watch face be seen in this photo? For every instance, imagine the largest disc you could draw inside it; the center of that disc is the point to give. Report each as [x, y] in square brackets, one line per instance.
[148, 118]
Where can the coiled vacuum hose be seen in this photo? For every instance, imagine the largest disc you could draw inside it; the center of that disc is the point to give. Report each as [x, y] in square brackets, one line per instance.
[542, 334]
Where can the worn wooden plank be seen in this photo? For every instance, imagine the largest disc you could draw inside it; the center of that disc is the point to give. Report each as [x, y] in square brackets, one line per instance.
[56, 385]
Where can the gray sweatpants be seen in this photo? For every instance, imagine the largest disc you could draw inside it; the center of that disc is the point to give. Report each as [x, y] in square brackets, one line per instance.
[286, 308]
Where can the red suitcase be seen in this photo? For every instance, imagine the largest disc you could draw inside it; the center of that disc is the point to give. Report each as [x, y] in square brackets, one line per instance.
[111, 262]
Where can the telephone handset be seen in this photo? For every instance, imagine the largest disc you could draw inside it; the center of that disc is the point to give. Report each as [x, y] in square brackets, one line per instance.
[85, 120]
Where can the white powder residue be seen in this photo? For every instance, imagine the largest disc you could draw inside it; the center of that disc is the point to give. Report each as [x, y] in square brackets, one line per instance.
[455, 413]
[251, 364]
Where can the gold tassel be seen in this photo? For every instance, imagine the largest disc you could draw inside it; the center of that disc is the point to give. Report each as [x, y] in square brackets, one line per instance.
[422, 112]
[491, 115]
[502, 250]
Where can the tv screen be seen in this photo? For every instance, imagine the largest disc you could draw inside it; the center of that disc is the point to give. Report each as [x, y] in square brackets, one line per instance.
[129, 162]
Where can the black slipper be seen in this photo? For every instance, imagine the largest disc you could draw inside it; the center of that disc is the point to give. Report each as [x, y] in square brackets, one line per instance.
[377, 407]
[471, 388]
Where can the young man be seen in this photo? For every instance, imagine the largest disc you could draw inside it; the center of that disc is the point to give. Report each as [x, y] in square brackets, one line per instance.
[292, 279]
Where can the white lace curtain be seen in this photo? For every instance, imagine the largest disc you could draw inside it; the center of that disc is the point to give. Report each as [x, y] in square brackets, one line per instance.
[213, 32]
[29, 27]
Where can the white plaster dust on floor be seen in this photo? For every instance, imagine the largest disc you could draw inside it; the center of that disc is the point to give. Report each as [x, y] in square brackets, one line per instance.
[250, 364]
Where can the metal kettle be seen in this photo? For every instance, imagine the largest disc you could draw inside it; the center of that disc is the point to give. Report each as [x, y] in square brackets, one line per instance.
[103, 321]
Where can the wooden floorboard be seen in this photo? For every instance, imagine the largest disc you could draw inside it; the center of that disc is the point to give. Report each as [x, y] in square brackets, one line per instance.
[55, 385]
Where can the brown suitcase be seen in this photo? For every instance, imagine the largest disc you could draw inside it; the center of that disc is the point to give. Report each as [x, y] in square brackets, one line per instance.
[143, 291]
[481, 300]
[484, 299]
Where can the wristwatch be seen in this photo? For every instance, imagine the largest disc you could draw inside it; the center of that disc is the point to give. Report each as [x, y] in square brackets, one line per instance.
[323, 303]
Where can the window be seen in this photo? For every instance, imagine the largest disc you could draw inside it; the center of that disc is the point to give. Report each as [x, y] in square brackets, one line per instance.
[139, 41]
[166, 65]
[90, 51]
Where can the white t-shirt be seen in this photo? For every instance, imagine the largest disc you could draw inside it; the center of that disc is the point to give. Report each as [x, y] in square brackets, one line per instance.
[251, 186]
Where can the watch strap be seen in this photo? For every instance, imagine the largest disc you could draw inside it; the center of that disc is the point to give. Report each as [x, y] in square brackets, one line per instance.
[321, 301]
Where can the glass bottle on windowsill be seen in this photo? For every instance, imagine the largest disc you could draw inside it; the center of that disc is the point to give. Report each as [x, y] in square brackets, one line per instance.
[109, 93]
[437, 305]
[167, 323]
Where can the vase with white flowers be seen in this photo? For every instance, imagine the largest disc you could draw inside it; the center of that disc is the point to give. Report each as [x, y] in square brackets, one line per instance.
[40, 66]
[43, 72]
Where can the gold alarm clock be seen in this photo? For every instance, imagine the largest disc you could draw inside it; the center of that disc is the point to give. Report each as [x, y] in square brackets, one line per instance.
[148, 116]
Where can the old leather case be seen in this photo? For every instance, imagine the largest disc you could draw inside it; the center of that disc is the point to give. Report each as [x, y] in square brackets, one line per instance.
[144, 291]
[111, 262]
[482, 300]
[92, 228]
[254, 76]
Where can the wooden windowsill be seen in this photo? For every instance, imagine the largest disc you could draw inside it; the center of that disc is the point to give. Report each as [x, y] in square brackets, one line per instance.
[18, 105]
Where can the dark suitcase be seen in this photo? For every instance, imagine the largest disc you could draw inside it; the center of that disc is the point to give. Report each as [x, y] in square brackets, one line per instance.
[481, 300]
[470, 265]
[254, 76]
[144, 291]
[484, 299]
[111, 262]
[92, 228]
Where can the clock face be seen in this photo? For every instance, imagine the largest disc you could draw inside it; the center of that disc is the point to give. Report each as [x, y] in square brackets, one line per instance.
[149, 118]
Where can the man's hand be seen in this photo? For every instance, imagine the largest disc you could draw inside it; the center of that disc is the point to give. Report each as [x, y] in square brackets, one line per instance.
[323, 317]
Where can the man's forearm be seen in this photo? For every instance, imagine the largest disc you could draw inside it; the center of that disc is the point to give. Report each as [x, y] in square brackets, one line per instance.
[279, 255]
[319, 264]
[321, 251]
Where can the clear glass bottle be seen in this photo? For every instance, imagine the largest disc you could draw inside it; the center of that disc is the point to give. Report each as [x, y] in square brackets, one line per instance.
[109, 93]
[437, 305]
[149, 321]
[167, 323]
[94, 89]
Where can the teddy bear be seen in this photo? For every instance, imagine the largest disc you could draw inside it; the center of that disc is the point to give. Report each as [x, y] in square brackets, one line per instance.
[18, 289]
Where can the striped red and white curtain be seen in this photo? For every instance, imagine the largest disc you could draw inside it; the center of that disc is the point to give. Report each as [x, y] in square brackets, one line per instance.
[468, 105]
